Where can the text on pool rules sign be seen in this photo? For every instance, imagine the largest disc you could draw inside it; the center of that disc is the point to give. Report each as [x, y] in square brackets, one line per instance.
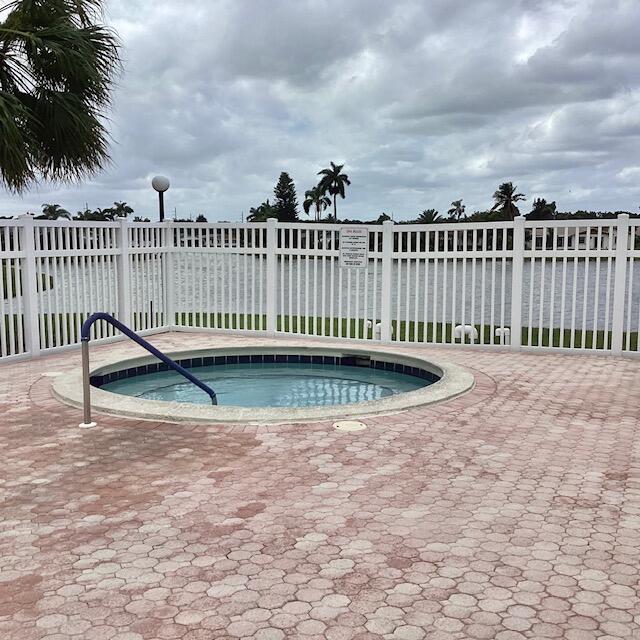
[354, 247]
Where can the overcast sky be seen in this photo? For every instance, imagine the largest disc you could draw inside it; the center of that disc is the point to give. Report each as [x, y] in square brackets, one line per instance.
[424, 101]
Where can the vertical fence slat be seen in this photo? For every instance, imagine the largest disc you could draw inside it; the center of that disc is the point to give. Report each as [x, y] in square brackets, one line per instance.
[272, 258]
[123, 270]
[619, 283]
[386, 268]
[30, 287]
[517, 267]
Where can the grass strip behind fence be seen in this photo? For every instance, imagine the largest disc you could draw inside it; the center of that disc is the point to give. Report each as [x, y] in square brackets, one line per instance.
[62, 329]
[403, 331]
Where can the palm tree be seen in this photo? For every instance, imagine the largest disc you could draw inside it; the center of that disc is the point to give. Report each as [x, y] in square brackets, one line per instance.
[53, 212]
[333, 181]
[57, 69]
[457, 209]
[505, 198]
[121, 210]
[428, 216]
[316, 199]
[262, 212]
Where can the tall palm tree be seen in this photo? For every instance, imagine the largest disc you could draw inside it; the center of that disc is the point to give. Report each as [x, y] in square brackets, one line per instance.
[57, 69]
[457, 209]
[53, 212]
[333, 181]
[428, 216]
[505, 198]
[316, 199]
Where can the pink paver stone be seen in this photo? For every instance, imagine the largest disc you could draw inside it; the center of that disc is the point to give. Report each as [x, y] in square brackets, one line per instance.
[507, 513]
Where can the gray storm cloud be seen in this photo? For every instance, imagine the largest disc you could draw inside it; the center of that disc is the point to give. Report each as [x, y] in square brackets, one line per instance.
[425, 102]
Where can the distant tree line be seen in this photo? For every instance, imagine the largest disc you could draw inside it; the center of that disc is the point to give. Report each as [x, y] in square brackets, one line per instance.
[504, 208]
[507, 201]
[333, 183]
[109, 214]
[115, 212]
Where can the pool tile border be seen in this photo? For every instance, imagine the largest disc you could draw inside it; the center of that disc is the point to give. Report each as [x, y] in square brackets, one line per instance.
[99, 380]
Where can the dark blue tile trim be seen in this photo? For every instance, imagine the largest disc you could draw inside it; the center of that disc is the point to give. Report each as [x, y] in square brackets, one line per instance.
[207, 361]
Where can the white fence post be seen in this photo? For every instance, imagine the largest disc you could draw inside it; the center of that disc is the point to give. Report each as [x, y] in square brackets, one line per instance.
[29, 287]
[619, 283]
[169, 274]
[272, 263]
[517, 268]
[124, 275]
[387, 276]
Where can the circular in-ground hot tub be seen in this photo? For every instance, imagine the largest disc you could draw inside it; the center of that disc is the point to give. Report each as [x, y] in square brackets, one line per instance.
[268, 385]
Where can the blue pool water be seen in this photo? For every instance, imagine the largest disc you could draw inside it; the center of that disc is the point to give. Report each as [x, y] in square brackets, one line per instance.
[272, 385]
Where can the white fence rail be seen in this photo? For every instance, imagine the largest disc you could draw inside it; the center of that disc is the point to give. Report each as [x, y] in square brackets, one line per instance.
[571, 285]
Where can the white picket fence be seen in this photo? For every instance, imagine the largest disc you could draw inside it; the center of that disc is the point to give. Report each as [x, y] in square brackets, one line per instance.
[520, 285]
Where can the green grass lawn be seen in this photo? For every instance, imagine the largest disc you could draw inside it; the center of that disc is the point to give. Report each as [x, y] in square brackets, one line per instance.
[411, 331]
[56, 327]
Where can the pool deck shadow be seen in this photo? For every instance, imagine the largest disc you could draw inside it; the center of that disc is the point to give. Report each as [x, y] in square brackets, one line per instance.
[510, 512]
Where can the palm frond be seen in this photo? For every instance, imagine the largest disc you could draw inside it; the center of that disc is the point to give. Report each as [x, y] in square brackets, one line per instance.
[61, 116]
[82, 11]
[58, 74]
[18, 144]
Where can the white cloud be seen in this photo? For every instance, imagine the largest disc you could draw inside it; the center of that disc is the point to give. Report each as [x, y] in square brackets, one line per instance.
[629, 175]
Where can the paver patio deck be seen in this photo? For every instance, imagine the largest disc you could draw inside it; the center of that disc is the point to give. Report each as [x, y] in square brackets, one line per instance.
[510, 512]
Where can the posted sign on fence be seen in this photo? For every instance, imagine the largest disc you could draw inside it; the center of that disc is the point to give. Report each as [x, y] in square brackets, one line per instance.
[354, 247]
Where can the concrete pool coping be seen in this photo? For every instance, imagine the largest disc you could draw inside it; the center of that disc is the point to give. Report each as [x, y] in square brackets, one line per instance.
[454, 381]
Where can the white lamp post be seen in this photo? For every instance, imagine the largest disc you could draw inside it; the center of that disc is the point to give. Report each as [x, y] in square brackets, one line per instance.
[160, 184]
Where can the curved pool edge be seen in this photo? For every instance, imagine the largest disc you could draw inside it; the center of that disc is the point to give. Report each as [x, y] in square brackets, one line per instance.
[455, 381]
